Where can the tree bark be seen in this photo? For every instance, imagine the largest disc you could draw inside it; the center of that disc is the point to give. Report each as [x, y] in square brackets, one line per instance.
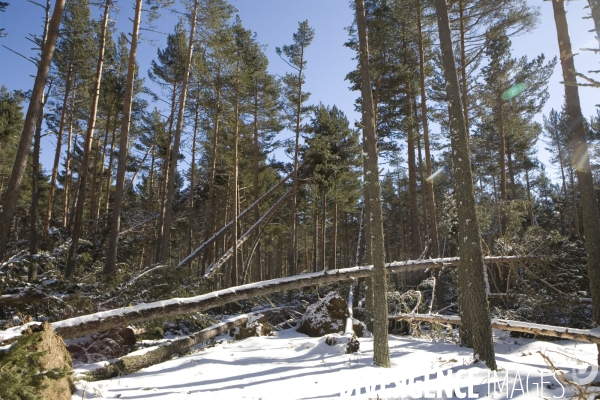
[33, 114]
[110, 266]
[585, 335]
[166, 231]
[59, 139]
[77, 228]
[476, 330]
[435, 246]
[581, 162]
[415, 237]
[381, 352]
[104, 320]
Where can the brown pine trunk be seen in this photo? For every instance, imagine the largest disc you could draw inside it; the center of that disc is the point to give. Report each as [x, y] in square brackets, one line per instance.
[236, 133]
[435, 246]
[564, 184]
[324, 233]
[59, 139]
[574, 203]
[191, 214]
[256, 268]
[502, 149]
[381, 353]
[415, 239]
[581, 162]
[293, 249]
[110, 266]
[529, 199]
[335, 234]
[315, 255]
[109, 175]
[101, 172]
[511, 172]
[476, 330]
[85, 161]
[166, 231]
[463, 64]
[209, 221]
[67, 182]
[33, 114]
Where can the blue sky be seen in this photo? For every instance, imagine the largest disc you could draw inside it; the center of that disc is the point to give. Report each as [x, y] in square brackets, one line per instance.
[274, 22]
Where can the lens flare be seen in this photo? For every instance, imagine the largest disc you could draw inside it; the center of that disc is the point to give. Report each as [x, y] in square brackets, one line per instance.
[514, 91]
[440, 172]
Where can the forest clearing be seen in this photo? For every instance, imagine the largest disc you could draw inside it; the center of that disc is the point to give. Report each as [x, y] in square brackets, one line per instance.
[181, 218]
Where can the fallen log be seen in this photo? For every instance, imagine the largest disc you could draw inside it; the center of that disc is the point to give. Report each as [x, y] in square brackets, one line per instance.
[585, 335]
[211, 270]
[144, 358]
[224, 229]
[506, 297]
[104, 320]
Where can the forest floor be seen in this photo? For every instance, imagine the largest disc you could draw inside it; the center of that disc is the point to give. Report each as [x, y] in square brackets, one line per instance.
[290, 365]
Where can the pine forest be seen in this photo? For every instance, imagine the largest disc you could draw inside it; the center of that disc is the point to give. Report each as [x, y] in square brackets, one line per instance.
[169, 188]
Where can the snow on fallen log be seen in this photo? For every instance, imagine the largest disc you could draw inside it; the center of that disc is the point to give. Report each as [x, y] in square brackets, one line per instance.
[585, 335]
[87, 324]
[144, 358]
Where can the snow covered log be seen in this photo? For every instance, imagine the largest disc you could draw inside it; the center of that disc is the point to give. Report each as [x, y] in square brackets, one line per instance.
[147, 357]
[585, 335]
[506, 297]
[104, 320]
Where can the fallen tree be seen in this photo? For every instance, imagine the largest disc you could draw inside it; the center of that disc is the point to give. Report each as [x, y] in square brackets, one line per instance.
[165, 351]
[104, 320]
[506, 297]
[585, 335]
[224, 229]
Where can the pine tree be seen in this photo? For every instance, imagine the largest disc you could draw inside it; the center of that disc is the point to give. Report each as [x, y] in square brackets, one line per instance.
[33, 114]
[381, 352]
[475, 329]
[295, 97]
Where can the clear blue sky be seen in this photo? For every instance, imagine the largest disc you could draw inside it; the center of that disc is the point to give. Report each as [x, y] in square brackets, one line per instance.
[329, 61]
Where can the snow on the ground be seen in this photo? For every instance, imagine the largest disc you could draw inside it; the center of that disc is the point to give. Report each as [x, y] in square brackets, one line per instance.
[290, 365]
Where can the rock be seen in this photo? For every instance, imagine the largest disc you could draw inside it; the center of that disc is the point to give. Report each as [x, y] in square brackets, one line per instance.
[328, 316]
[257, 325]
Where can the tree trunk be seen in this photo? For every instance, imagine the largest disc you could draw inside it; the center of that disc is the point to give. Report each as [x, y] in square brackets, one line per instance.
[595, 11]
[293, 250]
[415, 237]
[435, 246]
[574, 203]
[511, 172]
[476, 330]
[33, 114]
[209, 221]
[191, 216]
[315, 257]
[256, 266]
[166, 231]
[584, 335]
[324, 233]
[236, 133]
[529, 199]
[104, 320]
[381, 352]
[67, 183]
[59, 139]
[111, 159]
[110, 266]
[83, 169]
[334, 217]
[581, 162]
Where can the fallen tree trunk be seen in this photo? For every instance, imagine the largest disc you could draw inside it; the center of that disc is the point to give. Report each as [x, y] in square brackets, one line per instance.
[224, 229]
[104, 320]
[247, 234]
[585, 335]
[506, 297]
[147, 357]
